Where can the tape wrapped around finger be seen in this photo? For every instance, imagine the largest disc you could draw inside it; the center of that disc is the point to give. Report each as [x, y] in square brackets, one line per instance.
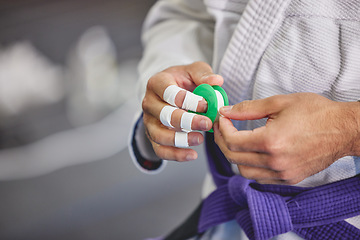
[186, 121]
[191, 101]
[181, 140]
[170, 94]
[165, 115]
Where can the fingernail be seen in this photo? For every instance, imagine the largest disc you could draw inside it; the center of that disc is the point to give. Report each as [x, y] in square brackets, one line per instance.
[226, 109]
[208, 75]
[203, 124]
[194, 141]
[202, 106]
[190, 157]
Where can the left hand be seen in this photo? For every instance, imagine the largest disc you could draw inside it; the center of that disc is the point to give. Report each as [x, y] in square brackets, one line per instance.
[304, 134]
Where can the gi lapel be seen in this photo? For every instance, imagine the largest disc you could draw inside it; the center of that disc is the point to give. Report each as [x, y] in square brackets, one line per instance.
[252, 35]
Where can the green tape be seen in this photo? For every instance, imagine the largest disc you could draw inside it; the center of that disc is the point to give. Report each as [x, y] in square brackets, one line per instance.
[208, 93]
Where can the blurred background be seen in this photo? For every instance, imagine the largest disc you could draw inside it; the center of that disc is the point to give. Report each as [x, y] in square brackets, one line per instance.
[67, 101]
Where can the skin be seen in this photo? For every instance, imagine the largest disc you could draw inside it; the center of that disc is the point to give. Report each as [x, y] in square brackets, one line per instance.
[304, 134]
[162, 138]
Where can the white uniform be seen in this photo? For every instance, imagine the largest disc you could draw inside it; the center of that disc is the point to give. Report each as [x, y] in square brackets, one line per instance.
[263, 48]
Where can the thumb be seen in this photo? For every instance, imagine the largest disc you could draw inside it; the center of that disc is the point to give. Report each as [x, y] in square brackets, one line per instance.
[254, 109]
[201, 72]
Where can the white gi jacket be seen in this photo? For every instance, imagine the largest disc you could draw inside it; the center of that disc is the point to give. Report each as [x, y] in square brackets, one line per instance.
[263, 48]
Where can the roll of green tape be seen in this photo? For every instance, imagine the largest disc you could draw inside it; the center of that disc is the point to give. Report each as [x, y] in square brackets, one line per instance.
[215, 96]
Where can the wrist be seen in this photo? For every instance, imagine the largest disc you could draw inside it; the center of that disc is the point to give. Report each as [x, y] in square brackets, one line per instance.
[353, 110]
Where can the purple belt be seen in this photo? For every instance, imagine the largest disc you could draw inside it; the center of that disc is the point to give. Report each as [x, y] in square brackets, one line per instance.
[264, 211]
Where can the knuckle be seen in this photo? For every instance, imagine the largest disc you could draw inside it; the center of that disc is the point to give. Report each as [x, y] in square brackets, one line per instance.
[276, 101]
[245, 173]
[163, 153]
[230, 144]
[159, 151]
[151, 82]
[178, 155]
[146, 119]
[268, 144]
[231, 157]
[241, 170]
[232, 147]
[285, 176]
[279, 101]
[276, 164]
[153, 137]
[145, 104]
[274, 144]
[150, 136]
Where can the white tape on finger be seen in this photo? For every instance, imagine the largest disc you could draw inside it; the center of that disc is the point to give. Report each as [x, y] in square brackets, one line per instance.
[181, 140]
[186, 121]
[191, 101]
[170, 94]
[165, 115]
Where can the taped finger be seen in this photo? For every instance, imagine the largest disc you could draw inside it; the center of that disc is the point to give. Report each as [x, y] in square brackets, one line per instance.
[186, 121]
[170, 94]
[191, 101]
[181, 140]
[165, 115]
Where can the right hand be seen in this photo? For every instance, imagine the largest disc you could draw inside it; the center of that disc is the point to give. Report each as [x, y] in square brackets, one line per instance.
[161, 137]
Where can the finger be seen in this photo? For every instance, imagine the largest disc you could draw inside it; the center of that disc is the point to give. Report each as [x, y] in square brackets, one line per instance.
[174, 95]
[252, 159]
[266, 176]
[281, 182]
[173, 153]
[201, 72]
[182, 120]
[255, 109]
[174, 117]
[168, 137]
[166, 88]
[242, 141]
[258, 174]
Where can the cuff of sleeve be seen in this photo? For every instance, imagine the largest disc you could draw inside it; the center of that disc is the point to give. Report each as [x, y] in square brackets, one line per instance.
[143, 161]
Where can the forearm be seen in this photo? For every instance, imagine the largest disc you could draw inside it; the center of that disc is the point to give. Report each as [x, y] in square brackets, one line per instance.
[352, 118]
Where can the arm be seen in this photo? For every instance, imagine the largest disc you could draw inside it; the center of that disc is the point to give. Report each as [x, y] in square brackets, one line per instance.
[304, 134]
[175, 33]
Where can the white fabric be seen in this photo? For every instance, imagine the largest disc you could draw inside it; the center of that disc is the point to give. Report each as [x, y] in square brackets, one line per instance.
[181, 140]
[191, 101]
[165, 115]
[313, 47]
[186, 121]
[170, 94]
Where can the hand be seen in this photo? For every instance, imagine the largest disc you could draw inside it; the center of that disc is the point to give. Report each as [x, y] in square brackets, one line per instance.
[163, 138]
[304, 134]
